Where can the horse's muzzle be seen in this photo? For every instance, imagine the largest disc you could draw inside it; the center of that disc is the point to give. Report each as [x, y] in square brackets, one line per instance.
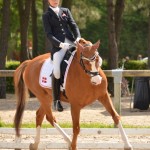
[96, 80]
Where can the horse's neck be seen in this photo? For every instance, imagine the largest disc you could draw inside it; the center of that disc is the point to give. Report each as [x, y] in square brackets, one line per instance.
[78, 71]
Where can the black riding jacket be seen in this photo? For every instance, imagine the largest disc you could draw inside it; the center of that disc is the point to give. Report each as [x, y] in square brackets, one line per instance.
[58, 27]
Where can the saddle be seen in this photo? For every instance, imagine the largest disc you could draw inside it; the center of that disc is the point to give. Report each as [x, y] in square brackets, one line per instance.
[47, 69]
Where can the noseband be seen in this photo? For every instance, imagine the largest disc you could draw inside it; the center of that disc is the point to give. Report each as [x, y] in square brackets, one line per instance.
[93, 58]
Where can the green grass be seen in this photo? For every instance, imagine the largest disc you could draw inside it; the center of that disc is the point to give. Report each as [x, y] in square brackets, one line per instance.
[69, 125]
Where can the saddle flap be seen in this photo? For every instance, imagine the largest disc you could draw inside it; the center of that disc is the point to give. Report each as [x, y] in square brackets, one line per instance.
[46, 71]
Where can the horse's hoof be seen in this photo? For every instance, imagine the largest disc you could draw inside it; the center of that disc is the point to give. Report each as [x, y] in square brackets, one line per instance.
[69, 148]
[129, 148]
[33, 147]
[17, 149]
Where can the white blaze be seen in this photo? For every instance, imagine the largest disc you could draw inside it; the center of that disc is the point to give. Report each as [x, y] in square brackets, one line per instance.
[96, 79]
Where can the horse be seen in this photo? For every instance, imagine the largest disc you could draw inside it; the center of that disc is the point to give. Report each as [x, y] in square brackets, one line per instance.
[85, 83]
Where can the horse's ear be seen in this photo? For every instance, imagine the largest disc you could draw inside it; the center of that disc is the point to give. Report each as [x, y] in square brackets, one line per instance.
[96, 45]
[80, 48]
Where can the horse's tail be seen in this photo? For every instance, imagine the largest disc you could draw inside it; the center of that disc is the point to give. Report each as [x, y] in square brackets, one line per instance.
[21, 94]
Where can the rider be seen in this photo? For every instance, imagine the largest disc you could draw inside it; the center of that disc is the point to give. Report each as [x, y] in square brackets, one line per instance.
[62, 31]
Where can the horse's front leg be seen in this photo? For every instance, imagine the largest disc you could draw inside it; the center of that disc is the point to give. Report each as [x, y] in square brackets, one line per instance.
[107, 102]
[39, 119]
[75, 113]
[127, 145]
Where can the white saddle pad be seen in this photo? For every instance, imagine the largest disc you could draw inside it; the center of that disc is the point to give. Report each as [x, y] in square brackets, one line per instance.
[46, 71]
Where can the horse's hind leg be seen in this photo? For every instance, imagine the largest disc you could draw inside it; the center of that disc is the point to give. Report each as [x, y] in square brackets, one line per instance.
[107, 102]
[39, 119]
[45, 109]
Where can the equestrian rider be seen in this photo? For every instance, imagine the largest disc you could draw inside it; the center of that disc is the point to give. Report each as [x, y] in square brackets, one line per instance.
[62, 31]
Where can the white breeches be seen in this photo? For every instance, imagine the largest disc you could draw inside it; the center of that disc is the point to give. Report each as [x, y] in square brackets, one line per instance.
[57, 59]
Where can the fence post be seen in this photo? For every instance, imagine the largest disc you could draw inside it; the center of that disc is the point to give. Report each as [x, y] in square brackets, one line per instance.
[117, 74]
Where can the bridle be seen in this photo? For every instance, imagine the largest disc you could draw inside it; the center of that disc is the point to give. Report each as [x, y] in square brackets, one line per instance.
[91, 59]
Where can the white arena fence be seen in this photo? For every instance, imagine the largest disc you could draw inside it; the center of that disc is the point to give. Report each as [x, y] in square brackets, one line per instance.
[56, 143]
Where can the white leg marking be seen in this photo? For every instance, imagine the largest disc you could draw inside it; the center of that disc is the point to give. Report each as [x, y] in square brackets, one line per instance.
[18, 139]
[124, 136]
[37, 137]
[62, 132]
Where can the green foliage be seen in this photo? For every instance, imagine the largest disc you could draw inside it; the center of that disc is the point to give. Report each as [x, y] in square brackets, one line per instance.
[104, 65]
[11, 65]
[14, 37]
[0, 13]
[92, 20]
[134, 35]
[135, 65]
[40, 32]
[129, 65]
[41, 37]
[91, 17]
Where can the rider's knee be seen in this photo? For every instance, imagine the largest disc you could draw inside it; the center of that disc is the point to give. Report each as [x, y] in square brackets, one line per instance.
[56, 73]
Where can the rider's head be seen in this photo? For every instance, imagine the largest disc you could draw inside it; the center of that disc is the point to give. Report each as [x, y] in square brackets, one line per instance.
[54, 3]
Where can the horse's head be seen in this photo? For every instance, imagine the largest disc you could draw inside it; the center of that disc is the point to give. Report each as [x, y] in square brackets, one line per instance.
[89, 59]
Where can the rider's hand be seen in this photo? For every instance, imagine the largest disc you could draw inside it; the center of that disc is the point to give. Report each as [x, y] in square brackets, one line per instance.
[64, 46]
[77, 40]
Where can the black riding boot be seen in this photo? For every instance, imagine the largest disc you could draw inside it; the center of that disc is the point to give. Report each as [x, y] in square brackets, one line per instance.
[56, 94]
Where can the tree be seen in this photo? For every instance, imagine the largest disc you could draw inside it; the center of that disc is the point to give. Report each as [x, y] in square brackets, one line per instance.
[34, 30]
[67, 4]
[24, 7]
[4, 43]
[114, 27]
[119, 8]
[112, 43]
[47, 43]
[145, 7]
[149, 40]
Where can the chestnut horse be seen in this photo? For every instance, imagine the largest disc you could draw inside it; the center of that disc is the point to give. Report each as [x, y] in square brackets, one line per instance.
[85, 83]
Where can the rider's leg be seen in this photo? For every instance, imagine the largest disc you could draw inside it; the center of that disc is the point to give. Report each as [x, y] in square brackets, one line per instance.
[56, 93]
[57, 59]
